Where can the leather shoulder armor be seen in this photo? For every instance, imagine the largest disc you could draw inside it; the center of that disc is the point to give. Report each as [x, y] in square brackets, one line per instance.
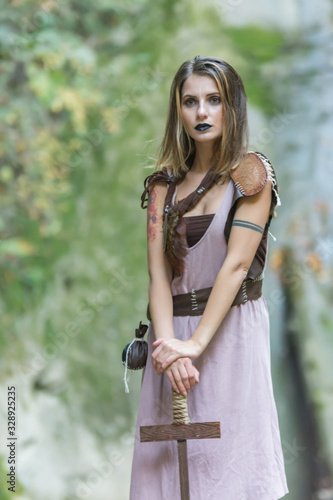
[251, 175]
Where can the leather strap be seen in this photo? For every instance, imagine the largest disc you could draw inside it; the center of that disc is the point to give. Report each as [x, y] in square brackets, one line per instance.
[194, 302]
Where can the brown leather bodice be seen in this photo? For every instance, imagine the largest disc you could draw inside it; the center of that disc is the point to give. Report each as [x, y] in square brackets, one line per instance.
[196, 226]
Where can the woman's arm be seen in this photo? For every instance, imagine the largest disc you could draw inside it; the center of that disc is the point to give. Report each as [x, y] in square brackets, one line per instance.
[252, 214]
[182, 374]
[160, 274]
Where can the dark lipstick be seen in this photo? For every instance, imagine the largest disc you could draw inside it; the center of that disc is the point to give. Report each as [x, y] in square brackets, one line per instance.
[202, 126]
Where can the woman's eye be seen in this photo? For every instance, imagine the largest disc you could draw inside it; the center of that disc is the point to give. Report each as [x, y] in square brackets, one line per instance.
[189, 102]
[215, 100]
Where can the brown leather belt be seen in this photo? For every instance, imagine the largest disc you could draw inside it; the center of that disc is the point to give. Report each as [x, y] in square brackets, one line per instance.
[194, 302]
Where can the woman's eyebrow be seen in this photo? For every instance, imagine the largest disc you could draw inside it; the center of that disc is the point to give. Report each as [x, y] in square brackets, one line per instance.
[210, 93]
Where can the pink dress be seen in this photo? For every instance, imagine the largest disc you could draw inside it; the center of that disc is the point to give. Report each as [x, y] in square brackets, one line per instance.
[235, 388]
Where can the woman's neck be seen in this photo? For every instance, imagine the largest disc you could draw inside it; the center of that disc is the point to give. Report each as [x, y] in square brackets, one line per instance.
[203, 158]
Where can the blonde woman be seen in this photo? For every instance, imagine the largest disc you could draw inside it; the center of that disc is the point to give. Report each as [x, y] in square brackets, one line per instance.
[209, 206]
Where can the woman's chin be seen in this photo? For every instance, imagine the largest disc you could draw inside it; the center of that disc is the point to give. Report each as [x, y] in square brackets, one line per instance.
[204, 138]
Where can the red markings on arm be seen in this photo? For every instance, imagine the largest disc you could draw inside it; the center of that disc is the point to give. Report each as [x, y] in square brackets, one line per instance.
[154, 213]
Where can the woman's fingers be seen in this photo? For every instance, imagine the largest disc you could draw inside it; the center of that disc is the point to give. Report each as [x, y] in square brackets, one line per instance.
[180, 379]
[176, 383]
[158, 357]
[158, 342]
[167, 351]
[193, 374]
[183, 375]
[164, 354]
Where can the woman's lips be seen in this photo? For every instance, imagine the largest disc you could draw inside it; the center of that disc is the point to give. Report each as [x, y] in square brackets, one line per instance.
[202, 126]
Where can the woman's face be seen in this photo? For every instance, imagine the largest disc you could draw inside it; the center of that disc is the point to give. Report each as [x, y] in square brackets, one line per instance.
[201, 108]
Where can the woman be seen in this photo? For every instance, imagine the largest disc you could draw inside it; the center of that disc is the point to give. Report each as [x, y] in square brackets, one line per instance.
[209, 332]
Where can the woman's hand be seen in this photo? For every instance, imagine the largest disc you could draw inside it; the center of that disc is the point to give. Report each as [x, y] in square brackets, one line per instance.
[183, 375]
[168, 350]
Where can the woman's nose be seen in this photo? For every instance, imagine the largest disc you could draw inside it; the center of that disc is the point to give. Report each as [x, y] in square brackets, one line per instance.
[201, 109]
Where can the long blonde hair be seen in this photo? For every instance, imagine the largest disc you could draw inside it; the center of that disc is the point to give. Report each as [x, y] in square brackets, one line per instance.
[177, 149]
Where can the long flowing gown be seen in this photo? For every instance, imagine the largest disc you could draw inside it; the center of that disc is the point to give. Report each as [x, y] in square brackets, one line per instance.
[235, 388]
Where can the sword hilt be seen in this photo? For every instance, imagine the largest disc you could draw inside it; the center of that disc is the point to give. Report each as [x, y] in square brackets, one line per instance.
[179, 408]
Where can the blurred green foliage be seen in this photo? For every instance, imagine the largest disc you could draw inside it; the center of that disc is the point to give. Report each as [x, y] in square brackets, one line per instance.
[257, 47]
[256, 44]
[64, 66]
